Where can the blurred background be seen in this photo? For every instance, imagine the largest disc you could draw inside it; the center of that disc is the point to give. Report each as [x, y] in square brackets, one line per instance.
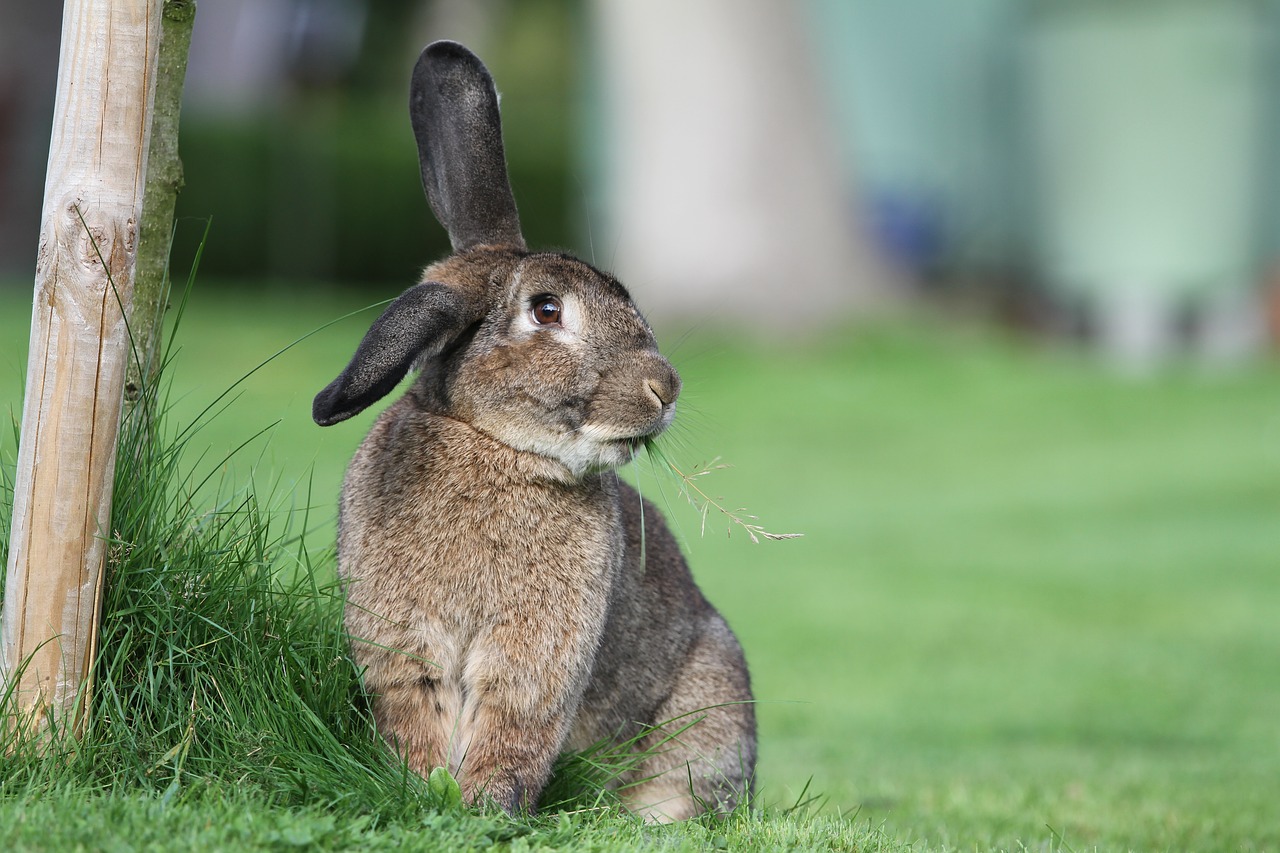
[1086, 168]
[980, 296]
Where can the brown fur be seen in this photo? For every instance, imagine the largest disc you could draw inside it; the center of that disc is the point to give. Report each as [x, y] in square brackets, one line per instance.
[508, 596]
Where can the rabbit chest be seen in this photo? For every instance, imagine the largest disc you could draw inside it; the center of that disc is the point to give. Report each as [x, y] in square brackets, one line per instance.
[481, 570]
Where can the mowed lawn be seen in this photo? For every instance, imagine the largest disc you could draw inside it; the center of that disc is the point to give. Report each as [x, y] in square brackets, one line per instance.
[1034, 604]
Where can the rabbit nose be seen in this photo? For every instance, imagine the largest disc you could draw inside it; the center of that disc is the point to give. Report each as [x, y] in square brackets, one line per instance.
[663, 393]
[664, 386]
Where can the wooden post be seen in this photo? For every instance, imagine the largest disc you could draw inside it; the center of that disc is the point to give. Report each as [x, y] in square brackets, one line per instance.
[79, 352]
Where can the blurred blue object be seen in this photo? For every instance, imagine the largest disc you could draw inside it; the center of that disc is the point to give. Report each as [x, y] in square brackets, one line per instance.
[921, 97]
[908, 227]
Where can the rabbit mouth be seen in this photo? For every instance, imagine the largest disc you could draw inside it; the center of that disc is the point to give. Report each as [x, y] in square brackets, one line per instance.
[633, 445]
[620, 436]
[602, 445]
[619, 449]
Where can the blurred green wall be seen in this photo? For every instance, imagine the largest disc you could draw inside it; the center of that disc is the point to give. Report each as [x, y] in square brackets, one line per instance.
[327, 186]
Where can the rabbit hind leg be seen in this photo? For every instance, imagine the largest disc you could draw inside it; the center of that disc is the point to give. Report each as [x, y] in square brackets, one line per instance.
[701, 754]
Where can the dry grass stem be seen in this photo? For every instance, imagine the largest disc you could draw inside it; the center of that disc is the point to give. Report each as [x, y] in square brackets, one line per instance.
[704, 503]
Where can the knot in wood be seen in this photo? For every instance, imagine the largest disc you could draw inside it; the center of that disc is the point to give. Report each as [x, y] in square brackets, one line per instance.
[98, 248]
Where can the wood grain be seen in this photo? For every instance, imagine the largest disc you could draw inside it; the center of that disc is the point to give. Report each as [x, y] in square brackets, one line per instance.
[79, 351]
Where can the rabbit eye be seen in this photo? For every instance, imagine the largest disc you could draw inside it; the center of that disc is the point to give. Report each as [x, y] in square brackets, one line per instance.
[546, 310]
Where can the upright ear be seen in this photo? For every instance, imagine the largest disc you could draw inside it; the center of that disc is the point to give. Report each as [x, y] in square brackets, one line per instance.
[423, 321]
[454, 108]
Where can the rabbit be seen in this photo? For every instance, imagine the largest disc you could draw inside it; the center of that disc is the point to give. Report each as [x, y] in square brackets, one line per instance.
[507, 596]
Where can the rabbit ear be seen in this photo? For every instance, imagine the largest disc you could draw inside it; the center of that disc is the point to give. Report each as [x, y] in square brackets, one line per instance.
[423, 321]
[454, 108]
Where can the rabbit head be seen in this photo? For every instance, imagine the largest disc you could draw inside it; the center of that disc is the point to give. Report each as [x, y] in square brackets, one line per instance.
[540, 351]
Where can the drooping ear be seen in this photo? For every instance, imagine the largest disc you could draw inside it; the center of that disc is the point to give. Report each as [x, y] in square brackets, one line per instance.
[423, 321]
[454, 108]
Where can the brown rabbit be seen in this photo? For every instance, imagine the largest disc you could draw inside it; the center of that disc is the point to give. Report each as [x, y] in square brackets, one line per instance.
[508, 596]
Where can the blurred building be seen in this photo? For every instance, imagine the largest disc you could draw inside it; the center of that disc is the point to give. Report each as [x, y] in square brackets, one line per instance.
[1145, 126]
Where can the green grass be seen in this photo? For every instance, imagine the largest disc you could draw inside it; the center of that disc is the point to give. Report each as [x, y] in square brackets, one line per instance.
[1035, 604]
